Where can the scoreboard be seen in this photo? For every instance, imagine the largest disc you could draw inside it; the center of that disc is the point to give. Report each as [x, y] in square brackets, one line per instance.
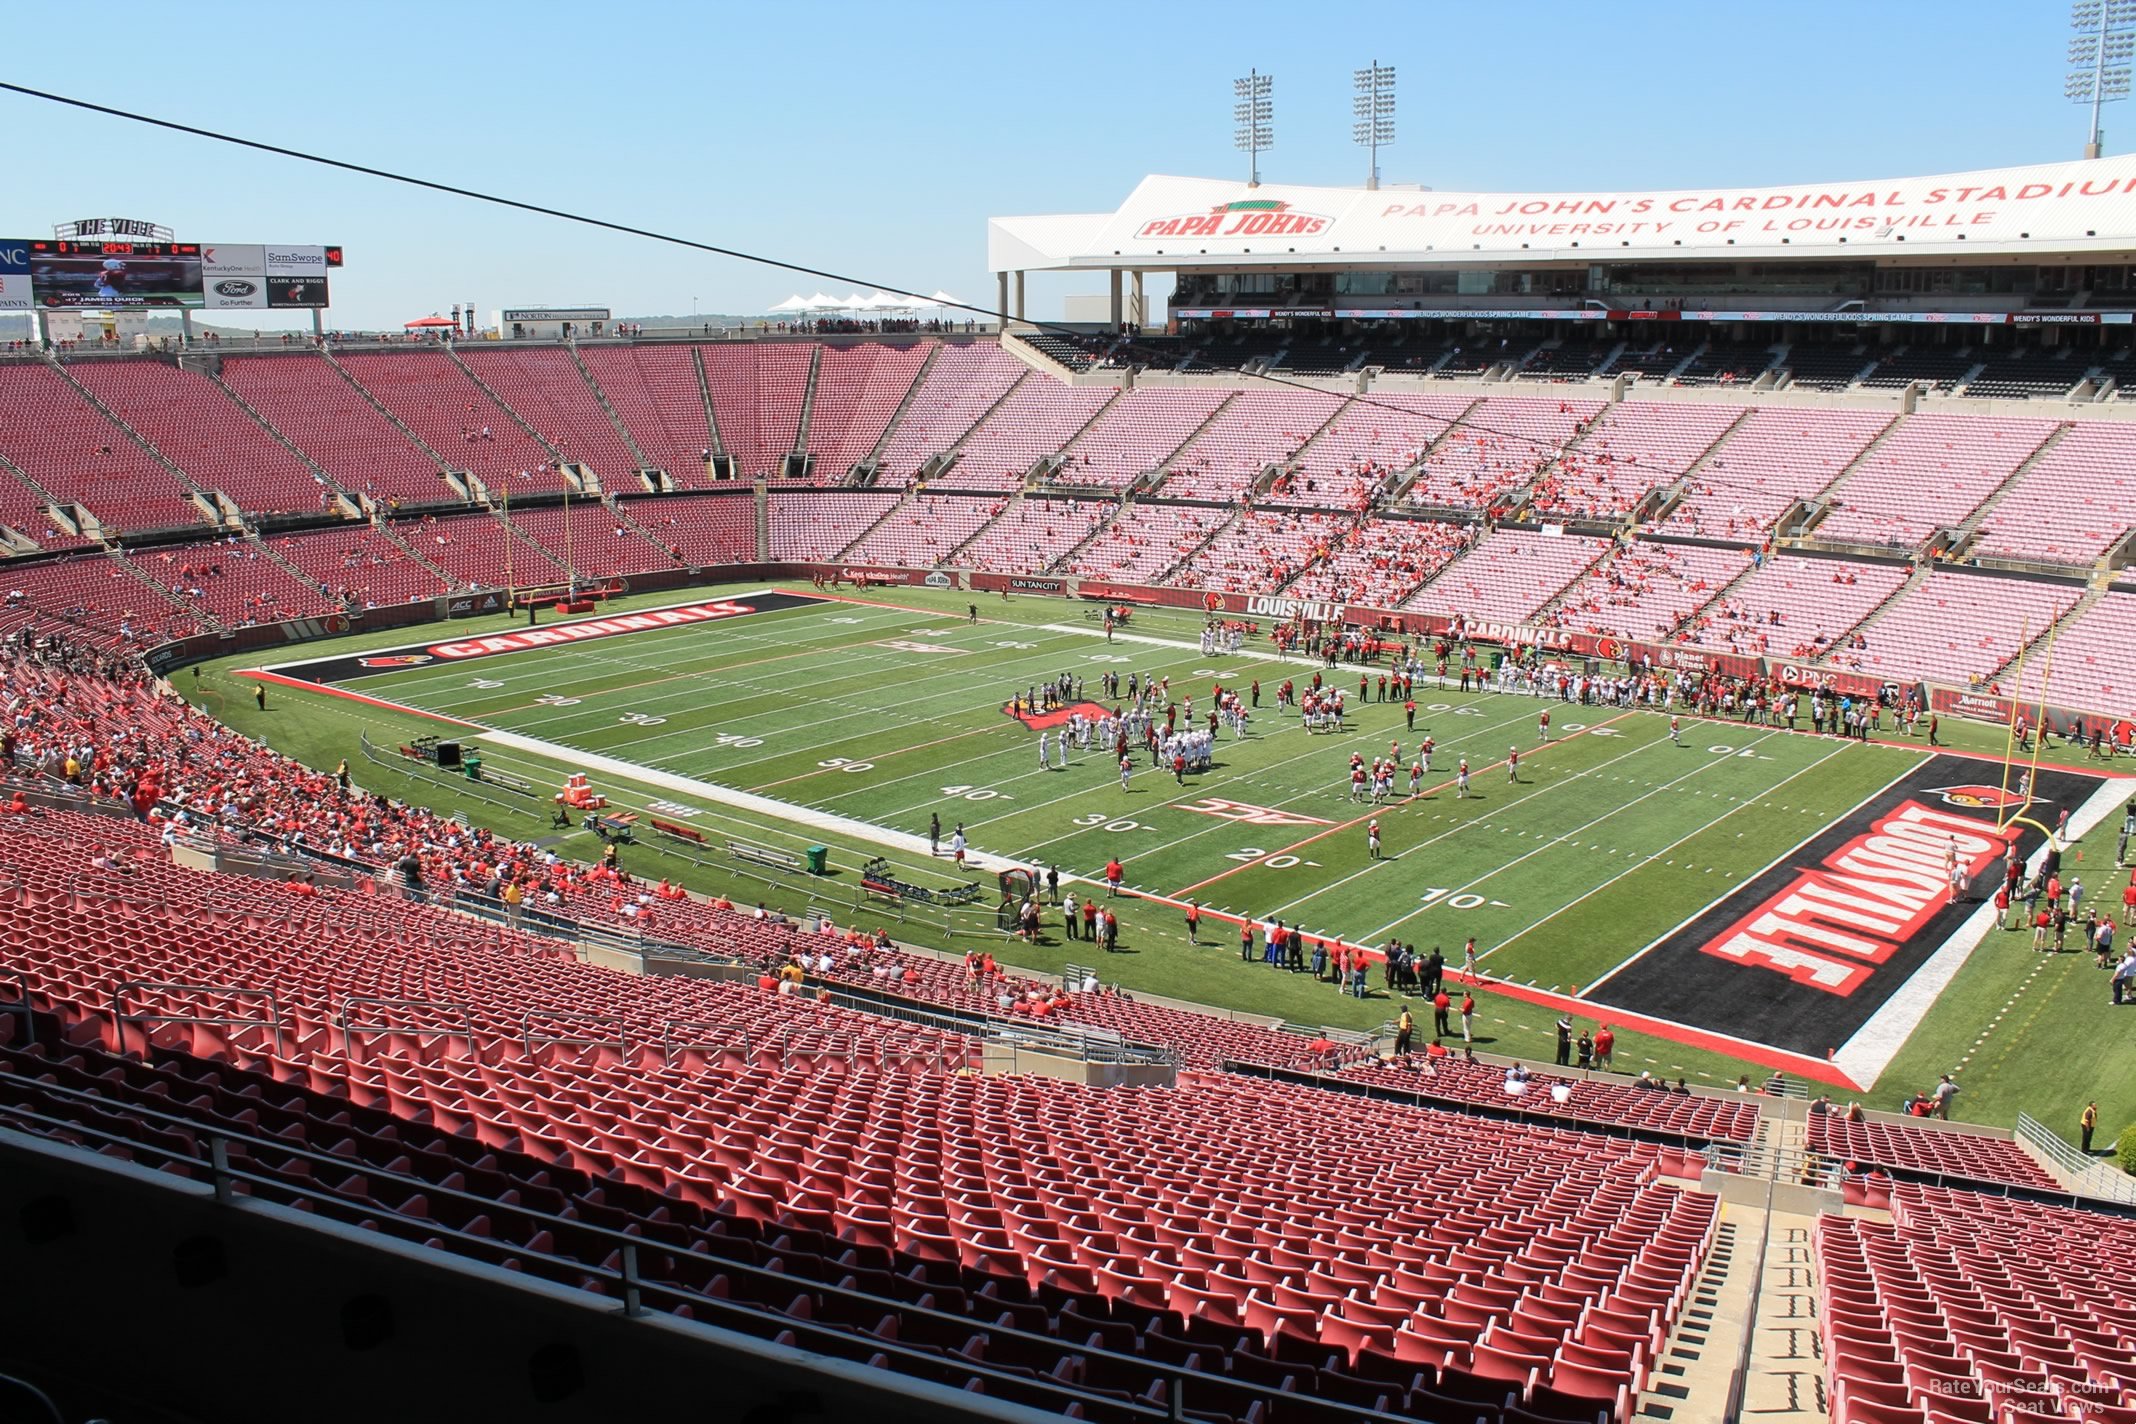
[113, 247]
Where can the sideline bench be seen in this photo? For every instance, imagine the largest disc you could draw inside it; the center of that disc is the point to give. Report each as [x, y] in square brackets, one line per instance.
[678, 831]
[613, 826]
[765, 856]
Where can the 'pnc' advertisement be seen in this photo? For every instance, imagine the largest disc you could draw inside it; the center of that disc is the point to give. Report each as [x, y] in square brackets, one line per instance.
[15, 276]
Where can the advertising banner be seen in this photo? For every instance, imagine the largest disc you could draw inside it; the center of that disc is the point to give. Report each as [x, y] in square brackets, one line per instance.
[295, 292]
[14, 276]
[232, 291]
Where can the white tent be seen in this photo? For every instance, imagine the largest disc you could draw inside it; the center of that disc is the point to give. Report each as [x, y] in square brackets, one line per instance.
[795, 303]
[890, 301]
[824, 301]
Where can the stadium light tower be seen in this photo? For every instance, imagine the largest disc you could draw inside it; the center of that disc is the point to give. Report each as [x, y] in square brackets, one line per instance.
[1374, 108]
[1256, 113]
[2099, 56]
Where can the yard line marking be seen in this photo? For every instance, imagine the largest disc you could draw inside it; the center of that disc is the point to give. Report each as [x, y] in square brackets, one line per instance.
[1649, 860]
[1360, 820]
[1677, 928]
[1547, 844]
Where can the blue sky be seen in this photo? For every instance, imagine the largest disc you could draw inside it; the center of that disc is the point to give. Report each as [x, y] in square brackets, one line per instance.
[876, 139]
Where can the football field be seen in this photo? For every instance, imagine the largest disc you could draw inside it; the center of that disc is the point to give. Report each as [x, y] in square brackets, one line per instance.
[1607, 871]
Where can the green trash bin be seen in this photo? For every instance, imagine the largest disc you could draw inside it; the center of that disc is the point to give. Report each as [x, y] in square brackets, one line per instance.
[818, 860]
[471, 764]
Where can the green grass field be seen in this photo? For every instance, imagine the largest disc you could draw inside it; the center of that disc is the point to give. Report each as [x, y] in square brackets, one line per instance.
[886, 715]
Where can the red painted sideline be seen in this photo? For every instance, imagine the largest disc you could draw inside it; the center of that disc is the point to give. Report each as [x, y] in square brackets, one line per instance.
[262, 675]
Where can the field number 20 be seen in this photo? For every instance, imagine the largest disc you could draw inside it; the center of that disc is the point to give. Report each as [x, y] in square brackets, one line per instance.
[1274, 862]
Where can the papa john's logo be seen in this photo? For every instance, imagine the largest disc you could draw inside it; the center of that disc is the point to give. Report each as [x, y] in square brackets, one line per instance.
[1246, 217]
[394, 660]
[1040, 721]
[1989, 797]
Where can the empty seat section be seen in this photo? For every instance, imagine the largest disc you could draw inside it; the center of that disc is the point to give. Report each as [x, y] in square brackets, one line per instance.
[1794, 606]
[1369, 442]
[1136, 434]
[1931, 472]
[816, 527]
[922, 533]
[1777, 456]
[1955, 627]
[67, 446]
[962, 385]
[1630, 449]
[757, 393]
[2093, 668]
[187, 417]
[308, 401]
[1037, 419]
[701, 530]
[1256, 429]
[2076, 503]
[598, 547]
[359, 565]
[858, 390]
[1033, 534]
[544, 385]
[655, 392]
[1508, 576]
[455, 417]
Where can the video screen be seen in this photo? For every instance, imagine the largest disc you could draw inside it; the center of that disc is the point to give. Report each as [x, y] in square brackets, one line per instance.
[81, 280]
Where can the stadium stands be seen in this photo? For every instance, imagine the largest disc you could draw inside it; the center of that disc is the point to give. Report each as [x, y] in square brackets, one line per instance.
[1262, 551]
[1904, 1151]
[1036, 419]
[704, 530]
[473, 551]
[1793, 606]
[655, 394]
[1370, 441]
[757, 393]
[1146, 540]
[1498, 447]
[1136, 434]
[1645, 590]
[1967, 1307]
[858, 389]
[329, 420]
[455, 417]
[1507, 576]
[1256, 429]
[814, 527]
[1777, 456]
[1631, 448]
[2074, 504]
[1596, 1100]
[1384, 560]
[1033, 534]
[599, 545]
[359, 565]
[544, 385]
[1930, 473]
[192, 422]
[2092, 668]
[235, 581]
[922, 533]
[1957, 628]
[67, 446]
[89, 597]
[962, 385]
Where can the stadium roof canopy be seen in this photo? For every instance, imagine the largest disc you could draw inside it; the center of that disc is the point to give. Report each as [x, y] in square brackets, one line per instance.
[2050, 211]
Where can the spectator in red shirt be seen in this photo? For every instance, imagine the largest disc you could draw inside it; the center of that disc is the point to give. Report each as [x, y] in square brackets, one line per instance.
[1605, 1044]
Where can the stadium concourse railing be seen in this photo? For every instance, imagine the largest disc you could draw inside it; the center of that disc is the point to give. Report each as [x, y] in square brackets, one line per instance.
[316, 1185]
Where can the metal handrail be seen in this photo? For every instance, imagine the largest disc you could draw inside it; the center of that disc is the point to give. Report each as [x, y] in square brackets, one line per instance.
[349, 1030]
[527, 1040]
[669, 1043]
[316, 1191]
[2089, 1175]
[121, 1018]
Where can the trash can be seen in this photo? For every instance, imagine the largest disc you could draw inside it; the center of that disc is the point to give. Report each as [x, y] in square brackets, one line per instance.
[471, 763]
[818, 860]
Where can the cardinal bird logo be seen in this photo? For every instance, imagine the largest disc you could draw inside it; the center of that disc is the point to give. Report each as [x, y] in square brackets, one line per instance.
[1993, 798]
[394, 660]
